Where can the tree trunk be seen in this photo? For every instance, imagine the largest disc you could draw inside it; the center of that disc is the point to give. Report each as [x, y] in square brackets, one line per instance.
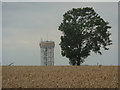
[78, 62]
[73, 64]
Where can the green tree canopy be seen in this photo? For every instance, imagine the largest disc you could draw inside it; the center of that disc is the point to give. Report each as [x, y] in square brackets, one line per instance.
[83, 31]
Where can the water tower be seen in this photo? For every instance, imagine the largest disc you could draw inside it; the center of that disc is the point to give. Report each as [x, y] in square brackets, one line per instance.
[47, 53]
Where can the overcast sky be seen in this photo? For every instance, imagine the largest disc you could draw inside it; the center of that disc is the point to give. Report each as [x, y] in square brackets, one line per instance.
[25, 24]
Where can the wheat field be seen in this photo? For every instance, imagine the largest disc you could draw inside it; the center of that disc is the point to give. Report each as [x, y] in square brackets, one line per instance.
[60, 76]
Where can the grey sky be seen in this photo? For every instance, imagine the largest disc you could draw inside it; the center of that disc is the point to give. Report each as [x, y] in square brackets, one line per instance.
[24, 24]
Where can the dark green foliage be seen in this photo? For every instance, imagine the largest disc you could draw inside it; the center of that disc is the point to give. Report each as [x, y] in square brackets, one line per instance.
[83, 31]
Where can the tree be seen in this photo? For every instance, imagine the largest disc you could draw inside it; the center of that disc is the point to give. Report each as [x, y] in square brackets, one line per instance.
[83, 31]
